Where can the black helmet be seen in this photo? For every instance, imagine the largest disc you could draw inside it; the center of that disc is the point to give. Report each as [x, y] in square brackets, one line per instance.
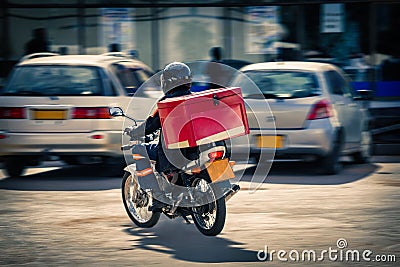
[175, 74]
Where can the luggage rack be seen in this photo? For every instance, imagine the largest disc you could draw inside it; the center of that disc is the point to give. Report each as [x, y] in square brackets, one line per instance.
[117, 54]
[39, 55]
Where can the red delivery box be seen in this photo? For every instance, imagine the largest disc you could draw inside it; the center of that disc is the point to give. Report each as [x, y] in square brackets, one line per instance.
[203, 117]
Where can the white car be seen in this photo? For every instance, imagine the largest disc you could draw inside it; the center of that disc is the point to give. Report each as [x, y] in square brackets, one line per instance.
[315, 112]
[58, 106]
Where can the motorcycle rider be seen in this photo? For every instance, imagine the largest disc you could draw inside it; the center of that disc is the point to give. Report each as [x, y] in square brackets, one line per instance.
[176, 81]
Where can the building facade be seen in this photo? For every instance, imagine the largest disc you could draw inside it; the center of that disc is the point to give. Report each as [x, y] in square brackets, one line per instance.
[360, 36]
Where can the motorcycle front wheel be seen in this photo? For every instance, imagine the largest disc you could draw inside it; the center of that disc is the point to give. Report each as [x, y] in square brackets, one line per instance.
[137, 202]
[209, 218]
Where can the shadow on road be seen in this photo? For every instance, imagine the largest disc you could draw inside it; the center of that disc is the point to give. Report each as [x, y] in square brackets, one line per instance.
[65, 178]
[92, 177]
[306, 174]
[184, 242]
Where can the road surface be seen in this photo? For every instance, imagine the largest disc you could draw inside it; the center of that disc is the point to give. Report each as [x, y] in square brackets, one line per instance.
[72, 216]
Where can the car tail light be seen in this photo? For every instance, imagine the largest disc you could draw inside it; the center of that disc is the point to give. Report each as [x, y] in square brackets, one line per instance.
[216, 155]
[97, 136]
[3, 136]
[91, 113]
[12, 113]
[320, 110]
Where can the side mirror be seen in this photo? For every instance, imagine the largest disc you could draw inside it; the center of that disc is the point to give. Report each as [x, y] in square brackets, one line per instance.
[116, 112]
[363, 95]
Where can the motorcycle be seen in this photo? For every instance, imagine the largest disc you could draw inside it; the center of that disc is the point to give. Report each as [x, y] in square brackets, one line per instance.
[201, 188]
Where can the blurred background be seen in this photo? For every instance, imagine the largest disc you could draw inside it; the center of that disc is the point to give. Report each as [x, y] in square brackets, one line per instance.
[358, 34]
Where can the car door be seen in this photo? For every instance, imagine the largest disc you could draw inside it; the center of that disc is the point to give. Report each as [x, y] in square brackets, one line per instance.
[347, 109]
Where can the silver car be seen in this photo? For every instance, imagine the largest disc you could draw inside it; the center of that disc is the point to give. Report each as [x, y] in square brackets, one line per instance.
[58, 106]
[316, 114]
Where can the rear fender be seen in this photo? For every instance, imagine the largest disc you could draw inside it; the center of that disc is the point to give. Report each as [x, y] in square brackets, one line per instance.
[203, 159]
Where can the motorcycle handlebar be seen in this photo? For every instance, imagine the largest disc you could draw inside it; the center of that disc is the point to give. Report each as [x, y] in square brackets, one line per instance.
[126, 147]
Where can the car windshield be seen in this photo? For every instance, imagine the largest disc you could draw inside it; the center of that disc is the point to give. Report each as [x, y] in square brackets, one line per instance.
[279, 84]
[55, 80]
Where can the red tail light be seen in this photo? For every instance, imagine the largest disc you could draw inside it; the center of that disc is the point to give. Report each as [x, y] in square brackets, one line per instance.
[12, 113]
[320, 110]
[97, 136]
[216, 155]
[91, 113]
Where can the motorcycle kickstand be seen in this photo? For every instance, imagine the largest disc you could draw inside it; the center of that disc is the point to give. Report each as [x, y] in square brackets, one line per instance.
[176, 203]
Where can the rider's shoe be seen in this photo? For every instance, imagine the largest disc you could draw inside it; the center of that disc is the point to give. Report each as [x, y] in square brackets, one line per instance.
[157, 206]
[159, 202]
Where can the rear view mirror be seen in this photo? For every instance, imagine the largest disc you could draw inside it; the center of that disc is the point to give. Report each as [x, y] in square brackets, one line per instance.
[116, 112]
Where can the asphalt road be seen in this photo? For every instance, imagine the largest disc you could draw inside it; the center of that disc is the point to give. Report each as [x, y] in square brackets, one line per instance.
[73, 216]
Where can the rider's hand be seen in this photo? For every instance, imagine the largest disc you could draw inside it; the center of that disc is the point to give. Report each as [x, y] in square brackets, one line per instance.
[133, 132]
[128, 130]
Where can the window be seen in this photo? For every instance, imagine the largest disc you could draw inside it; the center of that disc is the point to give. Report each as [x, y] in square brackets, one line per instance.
[131, 78]
[55, 80]
[280, 84]
[337, 84]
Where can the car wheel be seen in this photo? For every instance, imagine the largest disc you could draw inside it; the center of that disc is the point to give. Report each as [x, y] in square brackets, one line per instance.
[364, 154]
[113, 167]
[330, 163]
[71, 160]
[14, 166]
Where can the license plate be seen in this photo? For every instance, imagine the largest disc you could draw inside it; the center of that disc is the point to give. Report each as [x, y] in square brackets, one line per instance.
[270, 141]
[220, 170]
[56, 114]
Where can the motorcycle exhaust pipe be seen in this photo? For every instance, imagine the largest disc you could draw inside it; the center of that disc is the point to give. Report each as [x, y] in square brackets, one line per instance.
[231, 192]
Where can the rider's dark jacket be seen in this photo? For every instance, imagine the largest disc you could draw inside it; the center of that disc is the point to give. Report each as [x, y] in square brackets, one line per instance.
[153, 124]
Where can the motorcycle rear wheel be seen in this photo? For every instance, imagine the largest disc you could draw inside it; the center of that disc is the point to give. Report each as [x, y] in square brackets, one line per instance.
[209, 218]
[137, 202]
